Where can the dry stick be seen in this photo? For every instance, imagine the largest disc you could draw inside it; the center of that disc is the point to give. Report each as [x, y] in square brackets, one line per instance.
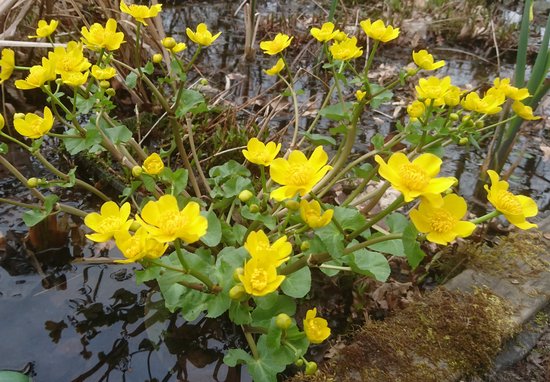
[195, 156]
[496, 45]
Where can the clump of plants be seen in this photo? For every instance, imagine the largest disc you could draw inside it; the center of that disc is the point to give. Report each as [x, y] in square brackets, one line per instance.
[242, 238]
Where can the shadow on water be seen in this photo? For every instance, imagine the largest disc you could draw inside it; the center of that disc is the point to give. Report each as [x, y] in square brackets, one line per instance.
[81, 322]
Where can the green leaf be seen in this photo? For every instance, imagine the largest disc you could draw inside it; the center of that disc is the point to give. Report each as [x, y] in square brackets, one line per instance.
[337, 112]
[229, 169]
[412, 249]
[297, 284]
[148, 182]
[239, 313]
[118, 134]
[268, 220]
[377, 141]
[233, 235]
[384, 96]
[397, 222]
[190, 101]
[318, 139]
[214, 233]
[3, 148]
[391, 247]
[218, 305]
[349, 218]
[176, 179]
[91, 141]
[263, 370]
[131, 80]
[364, 171]
[370, 263]
[149, 68]
[84, 105]
[271, 305]
[151, 272]
[236, 356]
[35, 216]
[13, 376]
[332, 239]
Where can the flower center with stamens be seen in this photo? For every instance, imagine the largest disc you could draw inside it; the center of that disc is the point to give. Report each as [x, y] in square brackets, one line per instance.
[414, 177]
[442, 221]
[508, 203]
[301, 175]
[171, 222]
[258, 280]
[110, 224]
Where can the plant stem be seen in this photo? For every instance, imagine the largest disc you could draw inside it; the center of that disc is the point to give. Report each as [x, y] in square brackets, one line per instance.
[251, 342]
[376, 218]
[486, 217]
[193, 272]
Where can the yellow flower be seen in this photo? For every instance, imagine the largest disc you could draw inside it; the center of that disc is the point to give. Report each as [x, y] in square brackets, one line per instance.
[139, 246]
[326, 33]
[38, 75]
[103, 73]
[74, 78]
[425, 61]
[258, 246]
[111, 220]
[7, 64]
[489, 104]
[260, 277]
[416, 109]
[515, 208]
[340, 36]
[524, 111]
[202, 36]
[99, 37]
[140, 12]
[153, 164]
[509, 90]
[452, 96]
[359, 95]
[297, 174]
[442, 224]
[276, 69]
[378, 31]
[44, 29]
[70, 59]
[345, 50]
[316, 328]
[416, 178]
[166, 222]
[433, 88]
[2, 122]
[259, 153]
[277, 45]
[32, 126]
[179, 47]
[311, 214]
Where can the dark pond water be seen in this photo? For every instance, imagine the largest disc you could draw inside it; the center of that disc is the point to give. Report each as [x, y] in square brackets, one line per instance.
[91, 322]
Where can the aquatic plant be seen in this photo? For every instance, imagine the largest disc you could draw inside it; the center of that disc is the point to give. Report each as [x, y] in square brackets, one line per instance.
[242, 238]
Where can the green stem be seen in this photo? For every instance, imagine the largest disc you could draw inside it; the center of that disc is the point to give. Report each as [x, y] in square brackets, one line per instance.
[251, 343]
[265, 195]
[296, 113]
[376, 218]
[197, 52]
[193, 272]
[486, 217]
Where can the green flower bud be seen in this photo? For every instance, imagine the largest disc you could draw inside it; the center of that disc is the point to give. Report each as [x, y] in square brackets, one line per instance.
[237, 292]
[304, 246]
[453, 117]
[19, 116]
[135, 226]
[105, 84]
[479, 124]
[110, 92]
[466, 118]
[169, 42]
[412, 71]
[283, 321]
[299, 362]
[238, 272]
[462, 141]
[33, 182]
[292, 205]
[311, 368]
[203, 81]
[136, 171]
[254, 208]
[245, 196]
[157, 58]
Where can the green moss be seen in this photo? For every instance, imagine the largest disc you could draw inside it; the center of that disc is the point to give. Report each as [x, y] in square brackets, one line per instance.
[431, 340]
